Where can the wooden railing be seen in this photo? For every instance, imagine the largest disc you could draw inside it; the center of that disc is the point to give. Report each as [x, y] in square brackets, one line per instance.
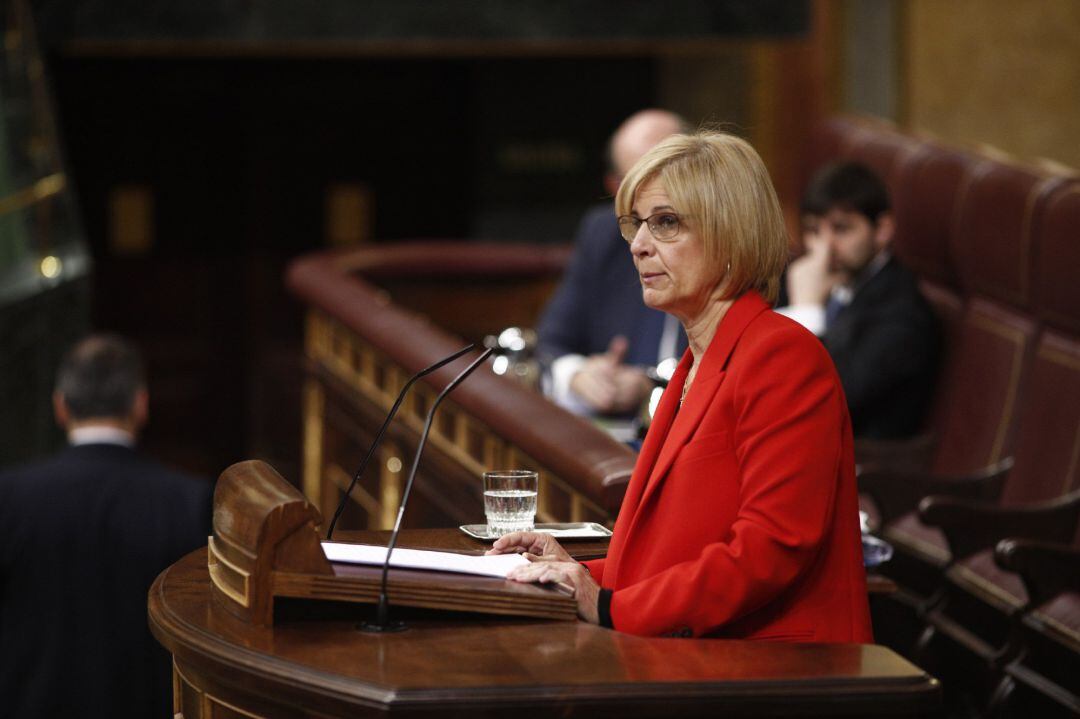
[362, 346]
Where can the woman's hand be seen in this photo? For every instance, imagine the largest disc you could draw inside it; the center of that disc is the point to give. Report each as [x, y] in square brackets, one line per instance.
[536, 546]
[586, 590]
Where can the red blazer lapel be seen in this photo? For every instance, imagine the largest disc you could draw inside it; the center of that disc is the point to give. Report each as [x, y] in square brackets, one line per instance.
[671, 430]
[709, 376]
[686, 421]
[656, 438]
[650, 450]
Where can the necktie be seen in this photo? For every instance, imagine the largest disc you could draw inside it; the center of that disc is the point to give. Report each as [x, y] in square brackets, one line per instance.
[832, 309]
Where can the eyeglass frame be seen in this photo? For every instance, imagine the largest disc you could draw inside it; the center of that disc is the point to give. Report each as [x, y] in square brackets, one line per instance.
[647, 221]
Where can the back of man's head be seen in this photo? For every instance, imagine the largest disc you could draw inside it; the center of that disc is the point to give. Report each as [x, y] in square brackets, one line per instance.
[848, 186]
[638, 134]
[100, 378]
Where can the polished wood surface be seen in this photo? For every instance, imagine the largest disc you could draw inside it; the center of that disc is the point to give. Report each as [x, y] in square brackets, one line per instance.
[262, 527]
[314, 662]
[266, 545]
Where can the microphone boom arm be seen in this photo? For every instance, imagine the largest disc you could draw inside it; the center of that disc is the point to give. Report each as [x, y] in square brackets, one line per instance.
[382, 431]
[381, 615]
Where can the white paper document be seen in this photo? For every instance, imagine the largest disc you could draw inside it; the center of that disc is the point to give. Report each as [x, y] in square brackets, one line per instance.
[495, 565]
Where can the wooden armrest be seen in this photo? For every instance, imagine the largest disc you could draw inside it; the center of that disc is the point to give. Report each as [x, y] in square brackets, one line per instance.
[971, 526]
[904, 454]
[1046, 568]
[897, 492]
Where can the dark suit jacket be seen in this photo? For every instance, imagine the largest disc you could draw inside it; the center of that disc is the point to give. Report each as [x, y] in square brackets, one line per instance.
[886, 345]
[741, 517]
[599, 298]
[82, 536]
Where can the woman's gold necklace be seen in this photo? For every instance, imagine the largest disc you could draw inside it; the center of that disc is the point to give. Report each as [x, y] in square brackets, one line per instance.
[686, 383]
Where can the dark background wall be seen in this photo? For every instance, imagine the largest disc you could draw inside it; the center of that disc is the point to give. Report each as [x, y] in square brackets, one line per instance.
[210, 143]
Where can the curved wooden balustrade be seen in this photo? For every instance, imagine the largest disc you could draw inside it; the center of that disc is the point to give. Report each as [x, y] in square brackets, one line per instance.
[362, 345]
[312, 662]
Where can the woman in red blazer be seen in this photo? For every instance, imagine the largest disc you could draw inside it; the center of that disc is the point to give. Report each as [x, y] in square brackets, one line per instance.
[741, 517]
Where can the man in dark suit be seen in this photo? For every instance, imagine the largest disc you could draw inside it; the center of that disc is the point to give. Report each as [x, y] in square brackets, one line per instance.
[866, 307]
[596, 335]
[83, 534]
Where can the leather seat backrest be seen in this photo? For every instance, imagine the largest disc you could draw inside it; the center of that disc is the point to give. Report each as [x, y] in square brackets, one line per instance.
[930, 188]
[979, 387]
[992, 242]
[830, 142]
[948, 307]
[1057, 259]
[1048, 435]
[883, 151]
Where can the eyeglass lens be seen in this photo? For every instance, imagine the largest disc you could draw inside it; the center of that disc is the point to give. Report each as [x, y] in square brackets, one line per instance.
[663, 226]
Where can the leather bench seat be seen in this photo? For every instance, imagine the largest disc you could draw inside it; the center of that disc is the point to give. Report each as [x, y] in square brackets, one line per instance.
[996, 245]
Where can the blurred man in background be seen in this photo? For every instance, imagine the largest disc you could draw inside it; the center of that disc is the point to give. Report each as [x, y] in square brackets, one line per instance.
[596, 334]
[849, 290]
[83, 534]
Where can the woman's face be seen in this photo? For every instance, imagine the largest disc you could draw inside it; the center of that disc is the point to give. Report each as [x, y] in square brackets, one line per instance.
[675, 275]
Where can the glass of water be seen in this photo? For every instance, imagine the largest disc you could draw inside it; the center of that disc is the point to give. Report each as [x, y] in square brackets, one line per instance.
[510, 501]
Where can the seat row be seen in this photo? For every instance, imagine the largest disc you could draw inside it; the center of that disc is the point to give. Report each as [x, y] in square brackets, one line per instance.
[983, 509]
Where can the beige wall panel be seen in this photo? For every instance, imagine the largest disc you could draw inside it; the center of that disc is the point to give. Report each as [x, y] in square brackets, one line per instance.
[1001, 72]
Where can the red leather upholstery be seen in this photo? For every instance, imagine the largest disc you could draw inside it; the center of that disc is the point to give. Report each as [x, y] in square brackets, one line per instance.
[949, 309]
[830, 142]
[979, 387]
[1048, 440]
[997, 247]
[930, 187]
[1004, 589]
[994, 229]
[974, 414]
[884, 151]
[1057, 259]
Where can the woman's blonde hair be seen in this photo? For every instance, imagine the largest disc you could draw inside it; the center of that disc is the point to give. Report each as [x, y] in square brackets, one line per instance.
[721, 189]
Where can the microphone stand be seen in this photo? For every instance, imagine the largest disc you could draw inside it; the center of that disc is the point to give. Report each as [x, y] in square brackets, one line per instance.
[382, 431]
[382, 623]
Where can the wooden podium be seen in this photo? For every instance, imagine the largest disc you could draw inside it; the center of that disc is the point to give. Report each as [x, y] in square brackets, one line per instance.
[306, 658]
[266, 545]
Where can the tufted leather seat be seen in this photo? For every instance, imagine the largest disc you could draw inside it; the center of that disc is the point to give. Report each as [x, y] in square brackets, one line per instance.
[996, 245]
[981, 600]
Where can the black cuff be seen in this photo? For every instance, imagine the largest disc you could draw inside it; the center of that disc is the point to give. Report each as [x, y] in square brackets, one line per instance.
[603, 608]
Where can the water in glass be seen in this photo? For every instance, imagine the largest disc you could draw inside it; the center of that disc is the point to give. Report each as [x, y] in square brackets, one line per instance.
[510, 501]
[509, 510]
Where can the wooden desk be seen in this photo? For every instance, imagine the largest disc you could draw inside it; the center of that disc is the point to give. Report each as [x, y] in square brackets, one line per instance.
[314, 663]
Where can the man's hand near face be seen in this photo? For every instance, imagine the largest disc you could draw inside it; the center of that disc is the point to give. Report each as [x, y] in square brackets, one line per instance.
[607, 385]
[809, 278]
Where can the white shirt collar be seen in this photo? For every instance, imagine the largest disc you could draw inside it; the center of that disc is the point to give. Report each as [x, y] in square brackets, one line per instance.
[844, 294]
[100, 434]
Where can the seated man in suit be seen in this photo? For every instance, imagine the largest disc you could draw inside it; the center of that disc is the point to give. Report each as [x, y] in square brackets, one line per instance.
[596, 334]
[849, 290]
[83, 534]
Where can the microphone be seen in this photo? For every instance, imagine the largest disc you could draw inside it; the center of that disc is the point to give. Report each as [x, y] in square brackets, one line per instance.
[381, 623]
[382, 431]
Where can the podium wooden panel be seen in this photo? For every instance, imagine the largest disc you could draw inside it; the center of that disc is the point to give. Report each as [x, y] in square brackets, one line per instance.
[266, 545]
[313, 662]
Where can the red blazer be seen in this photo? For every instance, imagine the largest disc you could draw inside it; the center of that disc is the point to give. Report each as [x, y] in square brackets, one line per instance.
[741, 517]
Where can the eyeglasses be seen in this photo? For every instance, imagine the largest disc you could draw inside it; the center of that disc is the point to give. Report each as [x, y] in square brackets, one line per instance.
[664, 226]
